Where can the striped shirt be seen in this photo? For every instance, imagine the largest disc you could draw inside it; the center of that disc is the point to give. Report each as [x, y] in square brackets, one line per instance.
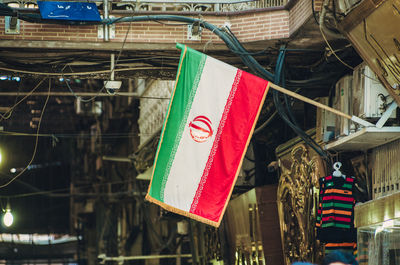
[335, 216]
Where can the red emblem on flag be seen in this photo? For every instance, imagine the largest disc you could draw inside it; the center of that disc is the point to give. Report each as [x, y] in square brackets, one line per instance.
[200, 129]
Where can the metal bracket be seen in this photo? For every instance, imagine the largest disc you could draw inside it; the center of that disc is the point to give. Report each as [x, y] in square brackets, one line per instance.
[194, 32]
[105, 31]
[11, 25]
[386, 115]
[101, 29]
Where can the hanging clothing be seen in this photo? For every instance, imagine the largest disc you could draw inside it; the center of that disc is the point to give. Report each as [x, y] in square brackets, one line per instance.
[350, 247]
[335, 217]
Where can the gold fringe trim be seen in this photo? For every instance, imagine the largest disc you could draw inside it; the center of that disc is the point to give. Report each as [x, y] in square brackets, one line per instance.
[184, 213]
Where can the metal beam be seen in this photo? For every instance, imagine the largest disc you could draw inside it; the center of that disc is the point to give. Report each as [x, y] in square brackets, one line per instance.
[103, 46]
[116, 46]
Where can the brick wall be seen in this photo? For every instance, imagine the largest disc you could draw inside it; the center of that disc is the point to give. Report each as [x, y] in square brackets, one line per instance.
[299, 14]
[31, 31]
[248, 27]
[261, 26]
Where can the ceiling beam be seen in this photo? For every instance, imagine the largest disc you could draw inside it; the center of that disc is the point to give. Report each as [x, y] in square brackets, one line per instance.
[116, 46]
[103, 46]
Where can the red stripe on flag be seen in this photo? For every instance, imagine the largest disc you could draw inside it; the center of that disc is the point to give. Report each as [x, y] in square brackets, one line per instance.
[241, 111]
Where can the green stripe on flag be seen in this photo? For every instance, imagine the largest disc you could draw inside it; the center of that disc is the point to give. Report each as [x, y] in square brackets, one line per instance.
[191, 67]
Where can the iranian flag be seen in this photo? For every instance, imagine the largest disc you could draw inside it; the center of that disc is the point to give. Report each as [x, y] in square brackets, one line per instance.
[211, 117]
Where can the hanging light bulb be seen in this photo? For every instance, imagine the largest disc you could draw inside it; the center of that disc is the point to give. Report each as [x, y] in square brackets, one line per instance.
[8, 218]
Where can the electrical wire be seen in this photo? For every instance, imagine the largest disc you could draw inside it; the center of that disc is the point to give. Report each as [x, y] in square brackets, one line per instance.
[78, 61]
[233, 44]
[290, 110]
[27, 95]
[333, 52]
[286, 97]
[8, 114]
[291, 121]
[265, 124]
[54, 191]
[36, 141]
[111, 72]
[79, 73]
[224, 34]
[72, 135]
[75, 135]
[305, 137]
[313, 11]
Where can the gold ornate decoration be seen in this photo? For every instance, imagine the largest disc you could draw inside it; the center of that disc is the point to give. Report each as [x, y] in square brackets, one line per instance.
[297, 201]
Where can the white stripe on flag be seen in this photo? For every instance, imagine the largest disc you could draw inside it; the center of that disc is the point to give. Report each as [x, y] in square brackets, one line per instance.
[191, 157]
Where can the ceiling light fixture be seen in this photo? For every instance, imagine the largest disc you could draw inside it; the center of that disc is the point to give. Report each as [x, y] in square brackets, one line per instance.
[8, 218]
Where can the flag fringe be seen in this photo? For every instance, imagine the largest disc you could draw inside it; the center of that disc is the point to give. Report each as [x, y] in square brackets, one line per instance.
[182, 212]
